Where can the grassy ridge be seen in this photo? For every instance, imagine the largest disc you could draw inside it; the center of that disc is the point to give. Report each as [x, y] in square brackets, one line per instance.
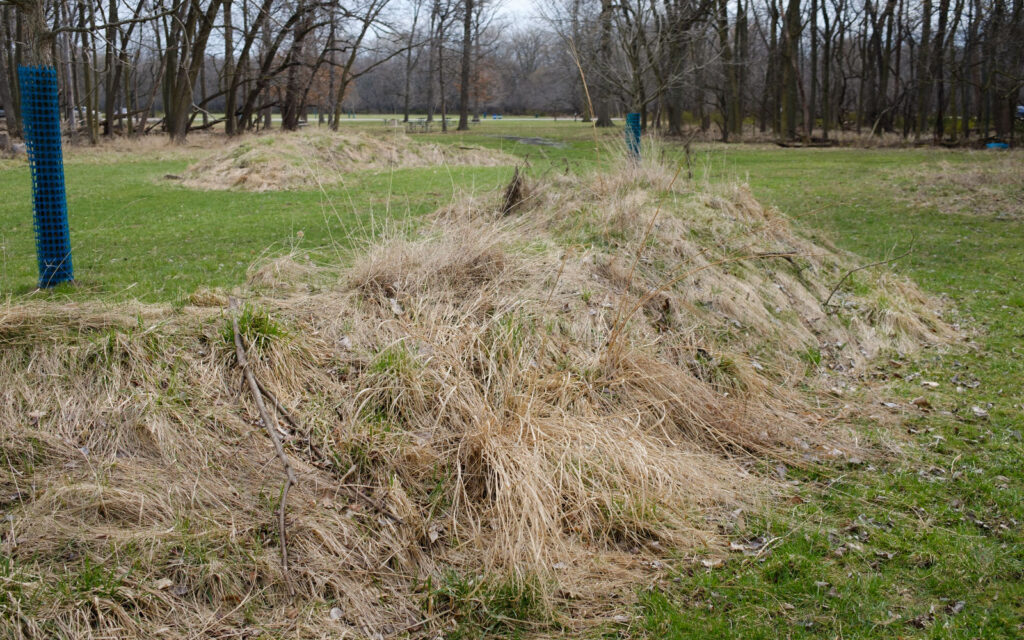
[924, 544]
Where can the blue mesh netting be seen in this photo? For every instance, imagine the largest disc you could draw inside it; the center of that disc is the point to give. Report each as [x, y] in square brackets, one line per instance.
[633, 134]
[41, 115]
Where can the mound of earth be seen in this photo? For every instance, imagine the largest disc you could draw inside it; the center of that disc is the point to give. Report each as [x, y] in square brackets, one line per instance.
[309, 159]
[489, 417]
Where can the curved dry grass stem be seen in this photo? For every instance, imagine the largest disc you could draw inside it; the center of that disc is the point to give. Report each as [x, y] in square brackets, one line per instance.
[586, 92]
[877, 263]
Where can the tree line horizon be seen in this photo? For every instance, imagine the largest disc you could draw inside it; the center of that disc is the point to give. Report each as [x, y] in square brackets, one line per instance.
[930, 70]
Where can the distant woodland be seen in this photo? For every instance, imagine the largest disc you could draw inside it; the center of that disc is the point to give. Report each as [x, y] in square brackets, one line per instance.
[928, 70]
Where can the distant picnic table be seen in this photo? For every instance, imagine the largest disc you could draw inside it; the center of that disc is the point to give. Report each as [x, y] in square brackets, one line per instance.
[422, 125]
[417, 126]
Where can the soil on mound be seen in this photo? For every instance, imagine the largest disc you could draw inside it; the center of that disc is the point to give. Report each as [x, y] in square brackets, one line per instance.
[491, 417]
[309, 159]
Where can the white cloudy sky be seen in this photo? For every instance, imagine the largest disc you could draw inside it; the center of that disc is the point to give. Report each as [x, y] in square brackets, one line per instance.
[520, 9]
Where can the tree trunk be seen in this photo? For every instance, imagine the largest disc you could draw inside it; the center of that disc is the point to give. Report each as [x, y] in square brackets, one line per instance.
[407, 94]
[441, 85]
[923, 68]
[432, 47]
[476, 65]
[33, 30]
[230, 117]
[938, 70]
[604, 62]
[70, 86]
[467, 54]
[971, 77]
[812, 101]
[742, 51]
[290, 107]
[202, 94]
[129, 104]
[790, 43]
[729, 114]
[188, 41]
[826, 73]
[773, 84]
[883, 108]
[110, 70]
[11, 110]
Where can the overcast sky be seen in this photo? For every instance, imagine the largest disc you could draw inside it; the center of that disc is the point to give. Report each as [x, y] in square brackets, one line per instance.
[519, 8]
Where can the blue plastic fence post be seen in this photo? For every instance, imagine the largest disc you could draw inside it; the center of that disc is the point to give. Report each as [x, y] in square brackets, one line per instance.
[41, 115]
[633, 134]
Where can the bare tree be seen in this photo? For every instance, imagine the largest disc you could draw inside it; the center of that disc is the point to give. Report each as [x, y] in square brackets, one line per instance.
[467, 60]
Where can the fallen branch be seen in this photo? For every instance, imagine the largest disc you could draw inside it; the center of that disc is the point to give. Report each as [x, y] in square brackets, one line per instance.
[154, 125]
[271, 427]
[286, 414]
[278, 406]
[861, 268]
[785, 255]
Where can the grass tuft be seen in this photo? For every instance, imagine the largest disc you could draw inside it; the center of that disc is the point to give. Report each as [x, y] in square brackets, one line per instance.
[258, 328]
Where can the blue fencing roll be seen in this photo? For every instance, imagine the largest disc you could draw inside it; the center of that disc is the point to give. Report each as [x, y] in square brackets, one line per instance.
[41, 116]
[633, 134]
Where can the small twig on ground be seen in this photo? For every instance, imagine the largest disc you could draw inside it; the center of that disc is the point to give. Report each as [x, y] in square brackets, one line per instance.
[785, 255]
[271, 427]
[345, 476]
[866, 266]
[278, 406]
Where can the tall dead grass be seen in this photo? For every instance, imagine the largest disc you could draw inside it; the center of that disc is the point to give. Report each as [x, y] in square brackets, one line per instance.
[462, 418]
[846, 137]
[990, 184]
[308, 159]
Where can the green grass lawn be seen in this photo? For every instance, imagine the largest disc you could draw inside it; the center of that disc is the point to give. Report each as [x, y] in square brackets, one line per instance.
[136, 234]
[926, 544]
[937, 550]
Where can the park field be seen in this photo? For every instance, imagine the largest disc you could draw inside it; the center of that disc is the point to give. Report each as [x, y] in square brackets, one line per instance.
[922, 540]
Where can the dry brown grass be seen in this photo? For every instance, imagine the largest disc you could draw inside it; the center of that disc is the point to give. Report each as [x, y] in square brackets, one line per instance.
[288, 272]
[845, 138]
[462, 413]
[307, 159]
[990, 184]
[151, 147]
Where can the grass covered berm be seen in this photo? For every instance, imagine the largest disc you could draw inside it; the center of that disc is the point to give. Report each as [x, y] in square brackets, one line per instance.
[621, 411]
[540, 410]
[313, 159]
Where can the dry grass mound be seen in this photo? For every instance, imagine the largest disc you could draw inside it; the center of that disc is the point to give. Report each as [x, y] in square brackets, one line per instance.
[991, 184]
[308, 159]
[152, 147]
[496, 417]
